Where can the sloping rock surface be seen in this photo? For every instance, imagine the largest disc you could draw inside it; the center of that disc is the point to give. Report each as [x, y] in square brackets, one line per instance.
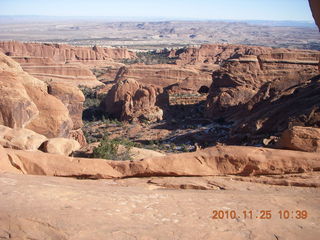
[37, 207]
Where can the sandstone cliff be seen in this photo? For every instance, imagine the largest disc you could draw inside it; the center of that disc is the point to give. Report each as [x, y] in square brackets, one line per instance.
[60, 62]
[217, 53]
[27, 103]
[164, 75]
[249, 79]
[61, 53]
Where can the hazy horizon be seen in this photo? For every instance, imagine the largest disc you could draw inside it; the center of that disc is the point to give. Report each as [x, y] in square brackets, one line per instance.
[202, 10]
[43, 18]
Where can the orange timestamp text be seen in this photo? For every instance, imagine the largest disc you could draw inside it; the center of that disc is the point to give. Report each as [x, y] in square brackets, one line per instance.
[259, 214]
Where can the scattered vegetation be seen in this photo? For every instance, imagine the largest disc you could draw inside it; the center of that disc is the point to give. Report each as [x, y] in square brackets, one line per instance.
[110, 149]
[98, 72]
[92, 98]
[93, 131]
[151, 57]
[92, 112]
[157, 145]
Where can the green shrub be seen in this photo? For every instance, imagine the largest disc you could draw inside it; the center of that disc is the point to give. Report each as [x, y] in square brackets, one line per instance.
[92, 98]
[151, 57]
[108, 149]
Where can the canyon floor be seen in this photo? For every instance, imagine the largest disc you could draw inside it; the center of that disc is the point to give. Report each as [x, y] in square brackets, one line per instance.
[37, 207]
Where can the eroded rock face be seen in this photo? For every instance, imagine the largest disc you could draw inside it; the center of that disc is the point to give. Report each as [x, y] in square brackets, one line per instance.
[53, 119]
[296, 106]
[63, 52]
[26, 102]
[129, 100]
[16, 107]
[61, 146]
[163, 75]
[62, 63]
[72, 97]
[247, 80]
[215, 53]
[72, 73]
[20, 138]
[301, 139]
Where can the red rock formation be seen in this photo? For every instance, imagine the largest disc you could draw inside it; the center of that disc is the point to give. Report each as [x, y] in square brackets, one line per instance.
[315, 7]
[163, 75]
[73, 73]
[61, 53]
[130, 100]
[61, 146]
[63, 63]
[214, 53]
[221, 160]
[26, 102]
[295, 106]
[20, 138]
[72, 97]
[78, 135]
[301, 139]
[249, 79]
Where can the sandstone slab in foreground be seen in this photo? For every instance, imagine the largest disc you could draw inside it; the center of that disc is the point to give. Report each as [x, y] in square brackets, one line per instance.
[37, 207]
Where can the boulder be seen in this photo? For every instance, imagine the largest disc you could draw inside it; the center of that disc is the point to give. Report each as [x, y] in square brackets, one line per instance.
[62, 146]
[20, 138]
[301, 139]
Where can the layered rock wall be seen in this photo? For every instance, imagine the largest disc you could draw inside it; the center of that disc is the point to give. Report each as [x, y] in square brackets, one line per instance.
[61, 62]
[249, 79]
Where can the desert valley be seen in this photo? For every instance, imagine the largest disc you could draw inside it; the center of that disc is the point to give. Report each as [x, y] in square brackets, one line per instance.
[159, 130]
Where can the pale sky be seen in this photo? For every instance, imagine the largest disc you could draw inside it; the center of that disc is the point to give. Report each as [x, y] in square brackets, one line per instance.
[175, 9]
